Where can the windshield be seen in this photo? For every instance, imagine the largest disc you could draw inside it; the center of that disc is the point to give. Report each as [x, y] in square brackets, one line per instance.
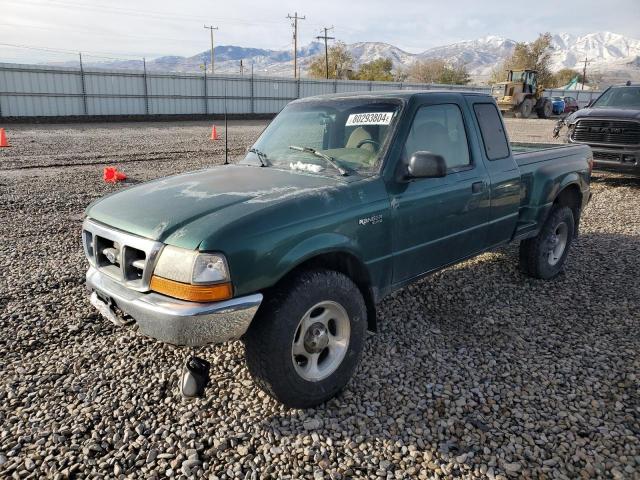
[353, 133]
[619, 97]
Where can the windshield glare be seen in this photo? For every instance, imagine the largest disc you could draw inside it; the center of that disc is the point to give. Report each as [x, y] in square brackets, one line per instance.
[353, 133]
[619, 97]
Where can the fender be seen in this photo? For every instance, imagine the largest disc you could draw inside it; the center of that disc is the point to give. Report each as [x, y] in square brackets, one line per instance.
[315, 246]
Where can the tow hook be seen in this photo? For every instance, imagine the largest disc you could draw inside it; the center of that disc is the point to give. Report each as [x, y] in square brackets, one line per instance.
[195, 377]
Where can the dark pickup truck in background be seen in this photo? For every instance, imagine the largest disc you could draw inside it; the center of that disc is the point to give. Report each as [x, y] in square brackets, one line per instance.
[611, 127]
[342, 200]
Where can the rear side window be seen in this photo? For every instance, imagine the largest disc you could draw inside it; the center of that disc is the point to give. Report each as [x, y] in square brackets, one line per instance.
[495, 140]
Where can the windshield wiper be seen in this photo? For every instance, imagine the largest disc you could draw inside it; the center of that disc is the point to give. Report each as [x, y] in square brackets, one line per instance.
[330, 160]
[264, 161]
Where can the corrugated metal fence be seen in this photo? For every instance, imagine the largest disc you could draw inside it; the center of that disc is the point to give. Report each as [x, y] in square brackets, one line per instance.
[33, 90]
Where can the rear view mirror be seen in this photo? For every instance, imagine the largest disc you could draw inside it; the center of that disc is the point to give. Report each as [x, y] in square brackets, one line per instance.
[426, 165]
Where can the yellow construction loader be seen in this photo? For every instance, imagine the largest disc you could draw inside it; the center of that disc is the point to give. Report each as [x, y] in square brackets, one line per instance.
[521, 95]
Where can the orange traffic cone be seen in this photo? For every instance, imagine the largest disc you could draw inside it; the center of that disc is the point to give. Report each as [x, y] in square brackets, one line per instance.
[112, 175]
[3, 138]
[214, 133]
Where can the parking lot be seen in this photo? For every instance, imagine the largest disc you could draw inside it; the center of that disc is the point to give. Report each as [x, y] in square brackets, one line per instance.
[477, 371]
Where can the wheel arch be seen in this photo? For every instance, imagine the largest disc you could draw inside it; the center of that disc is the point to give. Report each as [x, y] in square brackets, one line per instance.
[348, 264]
[571, 196]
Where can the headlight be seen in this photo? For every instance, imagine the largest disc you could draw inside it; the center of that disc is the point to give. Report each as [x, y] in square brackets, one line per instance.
[191, 275]
[209, 268]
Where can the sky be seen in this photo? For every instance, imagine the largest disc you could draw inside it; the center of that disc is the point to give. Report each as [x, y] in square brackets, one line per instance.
[145, 28]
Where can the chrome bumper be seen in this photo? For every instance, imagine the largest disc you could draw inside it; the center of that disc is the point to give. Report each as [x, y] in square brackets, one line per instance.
[170, 320]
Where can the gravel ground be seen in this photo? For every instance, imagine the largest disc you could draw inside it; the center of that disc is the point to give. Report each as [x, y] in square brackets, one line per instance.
[477, 372]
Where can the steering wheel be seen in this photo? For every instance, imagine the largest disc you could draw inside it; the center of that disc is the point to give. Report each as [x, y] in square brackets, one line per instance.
[368, 141]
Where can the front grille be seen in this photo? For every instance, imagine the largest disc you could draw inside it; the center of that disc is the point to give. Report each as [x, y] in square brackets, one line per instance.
[607, 132]
[126, 258]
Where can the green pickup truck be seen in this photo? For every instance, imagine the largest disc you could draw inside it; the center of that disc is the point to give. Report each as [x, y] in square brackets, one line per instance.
[342, 200]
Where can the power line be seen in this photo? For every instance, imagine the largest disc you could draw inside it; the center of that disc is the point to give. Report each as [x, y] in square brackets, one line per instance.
[146, 14]
[73, 52]
[211, 29]
[94, 33]
[295, 19]
[326, 48]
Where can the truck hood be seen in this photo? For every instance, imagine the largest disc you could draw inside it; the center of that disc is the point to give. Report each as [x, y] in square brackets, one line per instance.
[613, 113]
[163, 209]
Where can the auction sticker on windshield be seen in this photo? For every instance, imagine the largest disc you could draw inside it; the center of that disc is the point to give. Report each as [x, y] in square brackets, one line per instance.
[373, 118]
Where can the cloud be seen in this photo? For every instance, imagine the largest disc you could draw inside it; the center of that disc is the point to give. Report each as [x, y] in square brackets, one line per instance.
[147, 28]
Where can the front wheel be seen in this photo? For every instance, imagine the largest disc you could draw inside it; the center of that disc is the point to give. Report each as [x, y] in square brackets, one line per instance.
[544, 255]
[305, 343]
[524, 109]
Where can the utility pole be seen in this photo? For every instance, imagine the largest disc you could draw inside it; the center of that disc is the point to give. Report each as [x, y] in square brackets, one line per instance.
[326, 48]
[211, 29]
[584, 73]
[295, 19]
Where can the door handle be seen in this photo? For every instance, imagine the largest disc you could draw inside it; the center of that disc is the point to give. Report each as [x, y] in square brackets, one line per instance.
[477, 187]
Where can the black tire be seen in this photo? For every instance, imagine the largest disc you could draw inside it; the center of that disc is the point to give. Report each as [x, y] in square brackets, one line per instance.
[524, 109]
[545, 110]
[537, 257]
[269, 340]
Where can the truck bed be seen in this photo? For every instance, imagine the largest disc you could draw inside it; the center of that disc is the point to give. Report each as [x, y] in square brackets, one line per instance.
[544, 167]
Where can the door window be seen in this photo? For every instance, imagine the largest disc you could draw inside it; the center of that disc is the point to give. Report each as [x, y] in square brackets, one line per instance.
[440, 129]
[495, 140]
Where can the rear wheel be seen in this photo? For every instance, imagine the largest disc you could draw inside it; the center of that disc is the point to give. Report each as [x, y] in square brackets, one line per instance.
[544, 255]
[524, 109]
[306, 341]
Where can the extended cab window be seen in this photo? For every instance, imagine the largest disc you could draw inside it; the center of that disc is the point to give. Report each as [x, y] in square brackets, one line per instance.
[440, 129]
[495, 140]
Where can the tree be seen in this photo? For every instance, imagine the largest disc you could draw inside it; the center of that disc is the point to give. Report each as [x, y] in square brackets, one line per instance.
[340, 63]
[376, 70]
[564, 76]
[437, 71]
[535, 55]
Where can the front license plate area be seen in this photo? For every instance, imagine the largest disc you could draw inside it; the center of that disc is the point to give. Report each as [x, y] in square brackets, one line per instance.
[105, 310]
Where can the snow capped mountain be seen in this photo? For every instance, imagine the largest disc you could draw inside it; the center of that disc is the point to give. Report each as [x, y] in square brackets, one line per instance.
[609, 53]
[599, 48]
[363, 52]
[480, 56]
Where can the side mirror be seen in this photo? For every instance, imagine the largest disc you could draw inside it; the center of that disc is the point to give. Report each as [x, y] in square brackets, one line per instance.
[426, 165]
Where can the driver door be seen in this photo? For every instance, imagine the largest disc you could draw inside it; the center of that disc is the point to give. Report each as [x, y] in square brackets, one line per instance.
[437, 221]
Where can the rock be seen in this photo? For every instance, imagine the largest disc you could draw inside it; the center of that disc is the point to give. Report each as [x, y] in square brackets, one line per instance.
[512, 467]
[312, 424]
[152, 455]
[29, 464]
[243, 450]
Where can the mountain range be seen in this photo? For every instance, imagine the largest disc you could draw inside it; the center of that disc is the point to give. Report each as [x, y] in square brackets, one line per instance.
[614, 57]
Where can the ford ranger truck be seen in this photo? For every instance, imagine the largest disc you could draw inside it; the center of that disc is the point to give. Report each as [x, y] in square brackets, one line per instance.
[342, 200]
[611, 126]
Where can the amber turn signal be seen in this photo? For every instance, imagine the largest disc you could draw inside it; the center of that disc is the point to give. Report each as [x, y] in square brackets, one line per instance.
[192, 293]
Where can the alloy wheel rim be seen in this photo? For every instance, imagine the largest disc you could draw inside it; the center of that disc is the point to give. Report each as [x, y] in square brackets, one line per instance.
[321, 341]
[558, 243]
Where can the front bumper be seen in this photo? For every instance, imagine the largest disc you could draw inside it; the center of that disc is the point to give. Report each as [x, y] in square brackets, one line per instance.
[617, 160]
[170, 320]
